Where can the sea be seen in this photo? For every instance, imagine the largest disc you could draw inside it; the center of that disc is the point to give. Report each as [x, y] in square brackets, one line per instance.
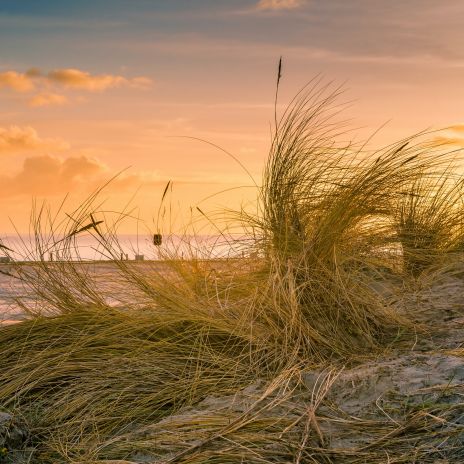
[99, 262]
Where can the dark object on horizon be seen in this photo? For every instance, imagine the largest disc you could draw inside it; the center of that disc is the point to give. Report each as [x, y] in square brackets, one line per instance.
[5, 259]
[157, 239]
[139, 257]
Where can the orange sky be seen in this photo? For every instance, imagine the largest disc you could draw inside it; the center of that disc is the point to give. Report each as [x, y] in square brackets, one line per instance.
[90, 88]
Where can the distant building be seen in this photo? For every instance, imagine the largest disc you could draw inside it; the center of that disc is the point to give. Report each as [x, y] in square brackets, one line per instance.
[5, 259]
[139, 257]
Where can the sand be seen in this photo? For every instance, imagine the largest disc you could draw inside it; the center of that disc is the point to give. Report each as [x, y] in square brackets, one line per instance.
[406, 405]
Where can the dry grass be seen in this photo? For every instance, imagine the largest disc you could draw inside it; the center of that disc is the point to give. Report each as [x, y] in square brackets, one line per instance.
[99, 384]
[430, 221]
[97, 373]
[327, 230]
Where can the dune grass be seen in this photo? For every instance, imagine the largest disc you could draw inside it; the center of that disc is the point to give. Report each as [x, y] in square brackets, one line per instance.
[430, 221]
[98, 383]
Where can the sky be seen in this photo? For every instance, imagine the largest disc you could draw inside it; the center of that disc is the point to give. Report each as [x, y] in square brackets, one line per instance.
[92, 89]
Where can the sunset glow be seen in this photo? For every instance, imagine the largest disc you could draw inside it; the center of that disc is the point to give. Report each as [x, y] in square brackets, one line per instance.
[92, 88]
[231, 231]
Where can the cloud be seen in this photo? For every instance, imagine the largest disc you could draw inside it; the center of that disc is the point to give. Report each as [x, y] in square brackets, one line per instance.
[19, 139]
[452, 135]
[74, 78]
[67, 78]
[16, 81]
[443, 140]
[48, 99]
[457, 128]
[275, 5]
[77, 79]
[49, 175]
[33, 72]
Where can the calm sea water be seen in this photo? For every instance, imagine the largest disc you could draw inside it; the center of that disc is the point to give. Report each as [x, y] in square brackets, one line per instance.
[99, 266]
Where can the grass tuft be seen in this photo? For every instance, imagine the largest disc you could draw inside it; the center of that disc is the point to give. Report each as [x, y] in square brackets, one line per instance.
[200, 359]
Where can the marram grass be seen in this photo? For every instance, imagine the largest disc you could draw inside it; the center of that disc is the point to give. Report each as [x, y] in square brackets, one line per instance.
[336, 224]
